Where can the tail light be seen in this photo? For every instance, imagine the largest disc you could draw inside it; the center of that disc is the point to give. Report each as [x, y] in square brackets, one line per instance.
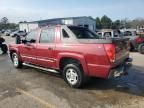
[139, 40]
[111, 52]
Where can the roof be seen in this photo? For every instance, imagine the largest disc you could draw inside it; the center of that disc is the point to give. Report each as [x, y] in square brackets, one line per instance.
[55, 19]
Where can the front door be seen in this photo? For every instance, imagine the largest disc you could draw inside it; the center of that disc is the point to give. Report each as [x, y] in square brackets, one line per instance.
[27, 50]
[46, 48]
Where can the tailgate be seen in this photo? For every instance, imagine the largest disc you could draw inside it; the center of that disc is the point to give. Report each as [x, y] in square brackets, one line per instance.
[122, 49]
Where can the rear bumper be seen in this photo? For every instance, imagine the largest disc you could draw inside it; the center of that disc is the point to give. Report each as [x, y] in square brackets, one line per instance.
[121, 69]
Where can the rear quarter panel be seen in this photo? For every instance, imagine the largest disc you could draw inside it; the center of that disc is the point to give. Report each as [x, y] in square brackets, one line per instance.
[92, 57]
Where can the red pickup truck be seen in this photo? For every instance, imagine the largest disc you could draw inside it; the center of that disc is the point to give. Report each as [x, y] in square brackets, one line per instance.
[75, 52]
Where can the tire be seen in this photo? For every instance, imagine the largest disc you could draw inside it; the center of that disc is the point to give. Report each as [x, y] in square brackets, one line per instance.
[73, 75]
[16, 62]
[141, 49]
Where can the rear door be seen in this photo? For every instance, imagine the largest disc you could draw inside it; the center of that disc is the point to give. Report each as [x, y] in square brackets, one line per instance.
[46, 48]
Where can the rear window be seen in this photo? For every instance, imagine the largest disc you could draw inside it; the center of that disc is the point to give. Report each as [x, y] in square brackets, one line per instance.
[83, 33]
[65, 34]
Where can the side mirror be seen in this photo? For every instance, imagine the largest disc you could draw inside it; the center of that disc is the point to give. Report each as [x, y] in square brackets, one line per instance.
[18, 40]
[24, 41]
[32, 41]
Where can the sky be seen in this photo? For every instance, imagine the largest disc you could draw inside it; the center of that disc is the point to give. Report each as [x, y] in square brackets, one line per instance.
[32, 10]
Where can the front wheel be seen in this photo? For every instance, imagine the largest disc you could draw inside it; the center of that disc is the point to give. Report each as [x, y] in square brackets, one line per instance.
[73, 75]
[16, 62]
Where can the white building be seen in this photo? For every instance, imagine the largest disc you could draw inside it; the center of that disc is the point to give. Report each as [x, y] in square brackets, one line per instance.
[84, 21]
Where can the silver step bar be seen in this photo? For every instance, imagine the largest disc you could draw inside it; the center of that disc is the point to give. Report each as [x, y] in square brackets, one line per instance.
[37, 67]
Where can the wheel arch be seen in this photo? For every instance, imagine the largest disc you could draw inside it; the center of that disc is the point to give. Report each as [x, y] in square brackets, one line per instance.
[74, 58]
[11, 51]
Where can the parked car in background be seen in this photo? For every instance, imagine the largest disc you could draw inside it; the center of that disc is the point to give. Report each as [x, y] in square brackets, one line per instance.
[2, 31]
[109, 33]
[132, 35]
[7, 32]
[74, 52]
[18, 33]
[140, 42]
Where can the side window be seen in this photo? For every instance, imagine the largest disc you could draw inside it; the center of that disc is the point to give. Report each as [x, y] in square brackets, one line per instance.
[32, 35]
[65, 34]
[47, 36]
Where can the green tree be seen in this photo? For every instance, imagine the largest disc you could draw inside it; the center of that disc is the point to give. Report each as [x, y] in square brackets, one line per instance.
[98, 23]
[4, 24]
[116, 24]
[106, 22]
[125, 23]
[4, 20]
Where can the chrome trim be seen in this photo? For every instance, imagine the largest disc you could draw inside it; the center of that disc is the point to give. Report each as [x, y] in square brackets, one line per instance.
[28, 57]
[45, 60]
[98, 65]
[38, 58]
[38, 67]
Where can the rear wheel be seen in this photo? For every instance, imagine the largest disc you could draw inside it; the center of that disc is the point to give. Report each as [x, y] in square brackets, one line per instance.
[73, 75]
[16, 62]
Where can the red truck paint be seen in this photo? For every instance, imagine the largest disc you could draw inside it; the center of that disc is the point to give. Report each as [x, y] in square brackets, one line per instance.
[97, 59]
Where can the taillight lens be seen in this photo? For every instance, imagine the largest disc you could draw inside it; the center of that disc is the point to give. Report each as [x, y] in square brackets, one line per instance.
[139, 40]
[111, 52]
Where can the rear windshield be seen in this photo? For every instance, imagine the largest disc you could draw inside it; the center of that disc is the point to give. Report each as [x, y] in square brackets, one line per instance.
[83, 33]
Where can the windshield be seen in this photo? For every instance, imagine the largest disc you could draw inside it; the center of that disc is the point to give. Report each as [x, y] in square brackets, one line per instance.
[83, 33]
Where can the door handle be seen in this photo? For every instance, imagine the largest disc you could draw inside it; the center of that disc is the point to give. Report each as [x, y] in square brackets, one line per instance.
[50, 48]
